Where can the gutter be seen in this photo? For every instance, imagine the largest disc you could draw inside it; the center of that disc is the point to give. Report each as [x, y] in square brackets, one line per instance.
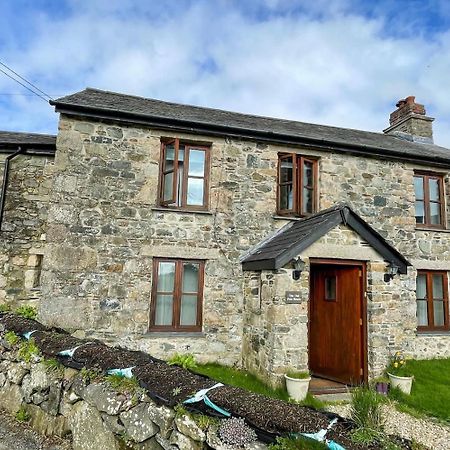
[261, 136]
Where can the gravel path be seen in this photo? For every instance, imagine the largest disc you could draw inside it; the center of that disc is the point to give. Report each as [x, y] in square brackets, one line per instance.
[425, 431]
[15, 435]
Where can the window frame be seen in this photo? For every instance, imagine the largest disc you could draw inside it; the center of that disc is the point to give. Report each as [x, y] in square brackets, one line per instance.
[425, 176]
[188, 146]
[430, 301]
[298, 185]
[177, 294]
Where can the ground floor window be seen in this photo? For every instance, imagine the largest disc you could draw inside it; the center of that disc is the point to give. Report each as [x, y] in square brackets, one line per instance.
[177, 295]
[432, 300]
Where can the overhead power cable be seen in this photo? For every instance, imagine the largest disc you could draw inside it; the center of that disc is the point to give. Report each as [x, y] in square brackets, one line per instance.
[33, 89]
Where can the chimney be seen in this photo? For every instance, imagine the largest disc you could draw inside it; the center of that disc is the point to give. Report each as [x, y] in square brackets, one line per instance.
[409, 122]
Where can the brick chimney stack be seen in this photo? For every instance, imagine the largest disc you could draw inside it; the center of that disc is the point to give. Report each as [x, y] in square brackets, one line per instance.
[409, 122]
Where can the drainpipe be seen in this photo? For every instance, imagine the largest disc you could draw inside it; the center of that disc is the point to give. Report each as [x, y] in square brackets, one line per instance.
[5, 181]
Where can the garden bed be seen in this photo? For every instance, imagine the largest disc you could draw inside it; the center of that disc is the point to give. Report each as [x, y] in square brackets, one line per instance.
[171, 385]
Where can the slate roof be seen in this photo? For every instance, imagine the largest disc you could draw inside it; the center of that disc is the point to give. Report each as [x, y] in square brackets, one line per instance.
[12, 139]
[105, 104]
[296, 236]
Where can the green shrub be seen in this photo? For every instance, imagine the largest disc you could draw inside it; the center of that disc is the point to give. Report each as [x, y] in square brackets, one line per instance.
[365, 411]
[27, 350]
[186, 361]
[53, 365]
[299, 443]
[22, 415]
[26, 311]
[4, 307]
[204, 422]
[123, 384]
[11, 338]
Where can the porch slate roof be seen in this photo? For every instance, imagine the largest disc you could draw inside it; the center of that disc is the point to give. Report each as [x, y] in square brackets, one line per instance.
[13, 139]
[101, 104]
[296, 236]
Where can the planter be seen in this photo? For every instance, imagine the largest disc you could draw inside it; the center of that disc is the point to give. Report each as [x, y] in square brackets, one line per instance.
[382, 388]
[403, 383]
[297, 388]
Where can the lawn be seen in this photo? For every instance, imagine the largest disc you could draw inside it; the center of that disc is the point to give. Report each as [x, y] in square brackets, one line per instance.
[245, 380]
[430, 393]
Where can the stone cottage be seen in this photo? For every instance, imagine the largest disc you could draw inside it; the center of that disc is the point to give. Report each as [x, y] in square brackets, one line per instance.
[264, 242]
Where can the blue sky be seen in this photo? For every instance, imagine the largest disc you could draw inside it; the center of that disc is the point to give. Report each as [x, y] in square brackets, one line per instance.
[335, 62]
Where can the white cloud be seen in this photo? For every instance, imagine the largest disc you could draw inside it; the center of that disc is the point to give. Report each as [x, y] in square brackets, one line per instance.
[339, 68]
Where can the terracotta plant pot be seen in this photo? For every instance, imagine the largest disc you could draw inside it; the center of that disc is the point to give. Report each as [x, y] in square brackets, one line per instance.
[297, 388]
[403, 383]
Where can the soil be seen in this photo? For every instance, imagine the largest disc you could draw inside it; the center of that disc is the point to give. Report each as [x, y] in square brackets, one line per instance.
[52, 343]
[19, 324]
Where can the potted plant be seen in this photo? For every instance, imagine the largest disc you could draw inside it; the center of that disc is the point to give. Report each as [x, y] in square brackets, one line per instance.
[297, 384]
[381, 385]
[399, 374]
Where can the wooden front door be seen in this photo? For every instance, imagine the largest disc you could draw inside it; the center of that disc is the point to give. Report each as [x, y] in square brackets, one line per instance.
[337, 323]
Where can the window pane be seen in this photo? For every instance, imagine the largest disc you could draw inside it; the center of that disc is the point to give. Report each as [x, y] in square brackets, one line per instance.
[166, 277]
[170, 155]
[197, 163]
[435, 213]
[307, 174]
[195, 191]
[438, 287]
[168, 186]
[180, 175]
[438, 308]
[420, 212]
[286, 170]
[180, 153]
[188, 315]
[190, 277]
[164, 308]
[421, 288]
[418, 188]
[422, 313]
[434, 189]
[307, 201]
[330, 288]
[286, 196]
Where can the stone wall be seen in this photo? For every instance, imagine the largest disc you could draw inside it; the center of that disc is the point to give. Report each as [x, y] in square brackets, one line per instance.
[22, 235]
[64, 402]
[104, 229]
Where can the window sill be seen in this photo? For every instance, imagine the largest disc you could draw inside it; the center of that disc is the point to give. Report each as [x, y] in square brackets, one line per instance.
[188, 211]
[433, 333]
[437, 230]
[175, 334]
[277, 217]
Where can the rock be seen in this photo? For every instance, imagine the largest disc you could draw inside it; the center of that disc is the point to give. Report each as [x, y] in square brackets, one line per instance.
[164, 443]
[51, 405]
[16, 372]
[46, 424]
[149, 444]
[184, 442]
[38, 397]
[256, 446]
[113, 423]
[88, 430]
[103, 398]
[11, 397]
[138, 423]
[79, 384]
[187, 426]
[213, 440]
[27, 389]
[2, 379]
[163, 417]
[72, 398]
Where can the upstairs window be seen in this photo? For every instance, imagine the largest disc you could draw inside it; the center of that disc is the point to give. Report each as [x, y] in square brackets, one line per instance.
[429, 204]
[297, 185]
[177, 295]
[184, 175]
[432, 301]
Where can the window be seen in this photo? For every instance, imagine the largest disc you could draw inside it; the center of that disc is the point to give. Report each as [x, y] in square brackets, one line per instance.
[429, 203]
[432, 300]
[297, 185]
[184, 175]
[177, 295]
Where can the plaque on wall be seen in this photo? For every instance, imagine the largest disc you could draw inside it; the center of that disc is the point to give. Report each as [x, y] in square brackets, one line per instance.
[293, 297]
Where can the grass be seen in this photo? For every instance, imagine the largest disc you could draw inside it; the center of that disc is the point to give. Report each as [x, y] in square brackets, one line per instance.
[249, 382]
[26, 311]
[27, 350]
[430, 393]
[22, 415]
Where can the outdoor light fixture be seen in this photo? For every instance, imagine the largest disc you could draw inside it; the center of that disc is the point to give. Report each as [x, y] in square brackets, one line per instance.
[299, 266]
[392, 270]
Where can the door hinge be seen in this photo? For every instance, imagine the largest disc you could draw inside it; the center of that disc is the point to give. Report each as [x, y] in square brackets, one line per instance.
[360, 322]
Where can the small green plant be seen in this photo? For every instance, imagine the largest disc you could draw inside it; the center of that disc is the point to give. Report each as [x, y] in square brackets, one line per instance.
[26, 311]
[27, 350]
[11, 338]
[122, 384]
[180, 410]
[22, 415]
[126, 439]
[53, 365]
[204, 422]
[4, 307]
[298, 443]
[176, 391]
[298, 375]
[186, 361]
[365, 411]
[398, 366]
[91, 375]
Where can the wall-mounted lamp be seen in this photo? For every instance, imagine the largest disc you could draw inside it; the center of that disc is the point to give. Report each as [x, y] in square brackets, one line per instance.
[392, 270]
[299, 266]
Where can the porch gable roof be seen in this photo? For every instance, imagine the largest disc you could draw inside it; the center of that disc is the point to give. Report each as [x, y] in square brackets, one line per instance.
[296, 236]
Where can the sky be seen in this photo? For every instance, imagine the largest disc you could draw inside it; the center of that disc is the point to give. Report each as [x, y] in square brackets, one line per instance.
[334, 62]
